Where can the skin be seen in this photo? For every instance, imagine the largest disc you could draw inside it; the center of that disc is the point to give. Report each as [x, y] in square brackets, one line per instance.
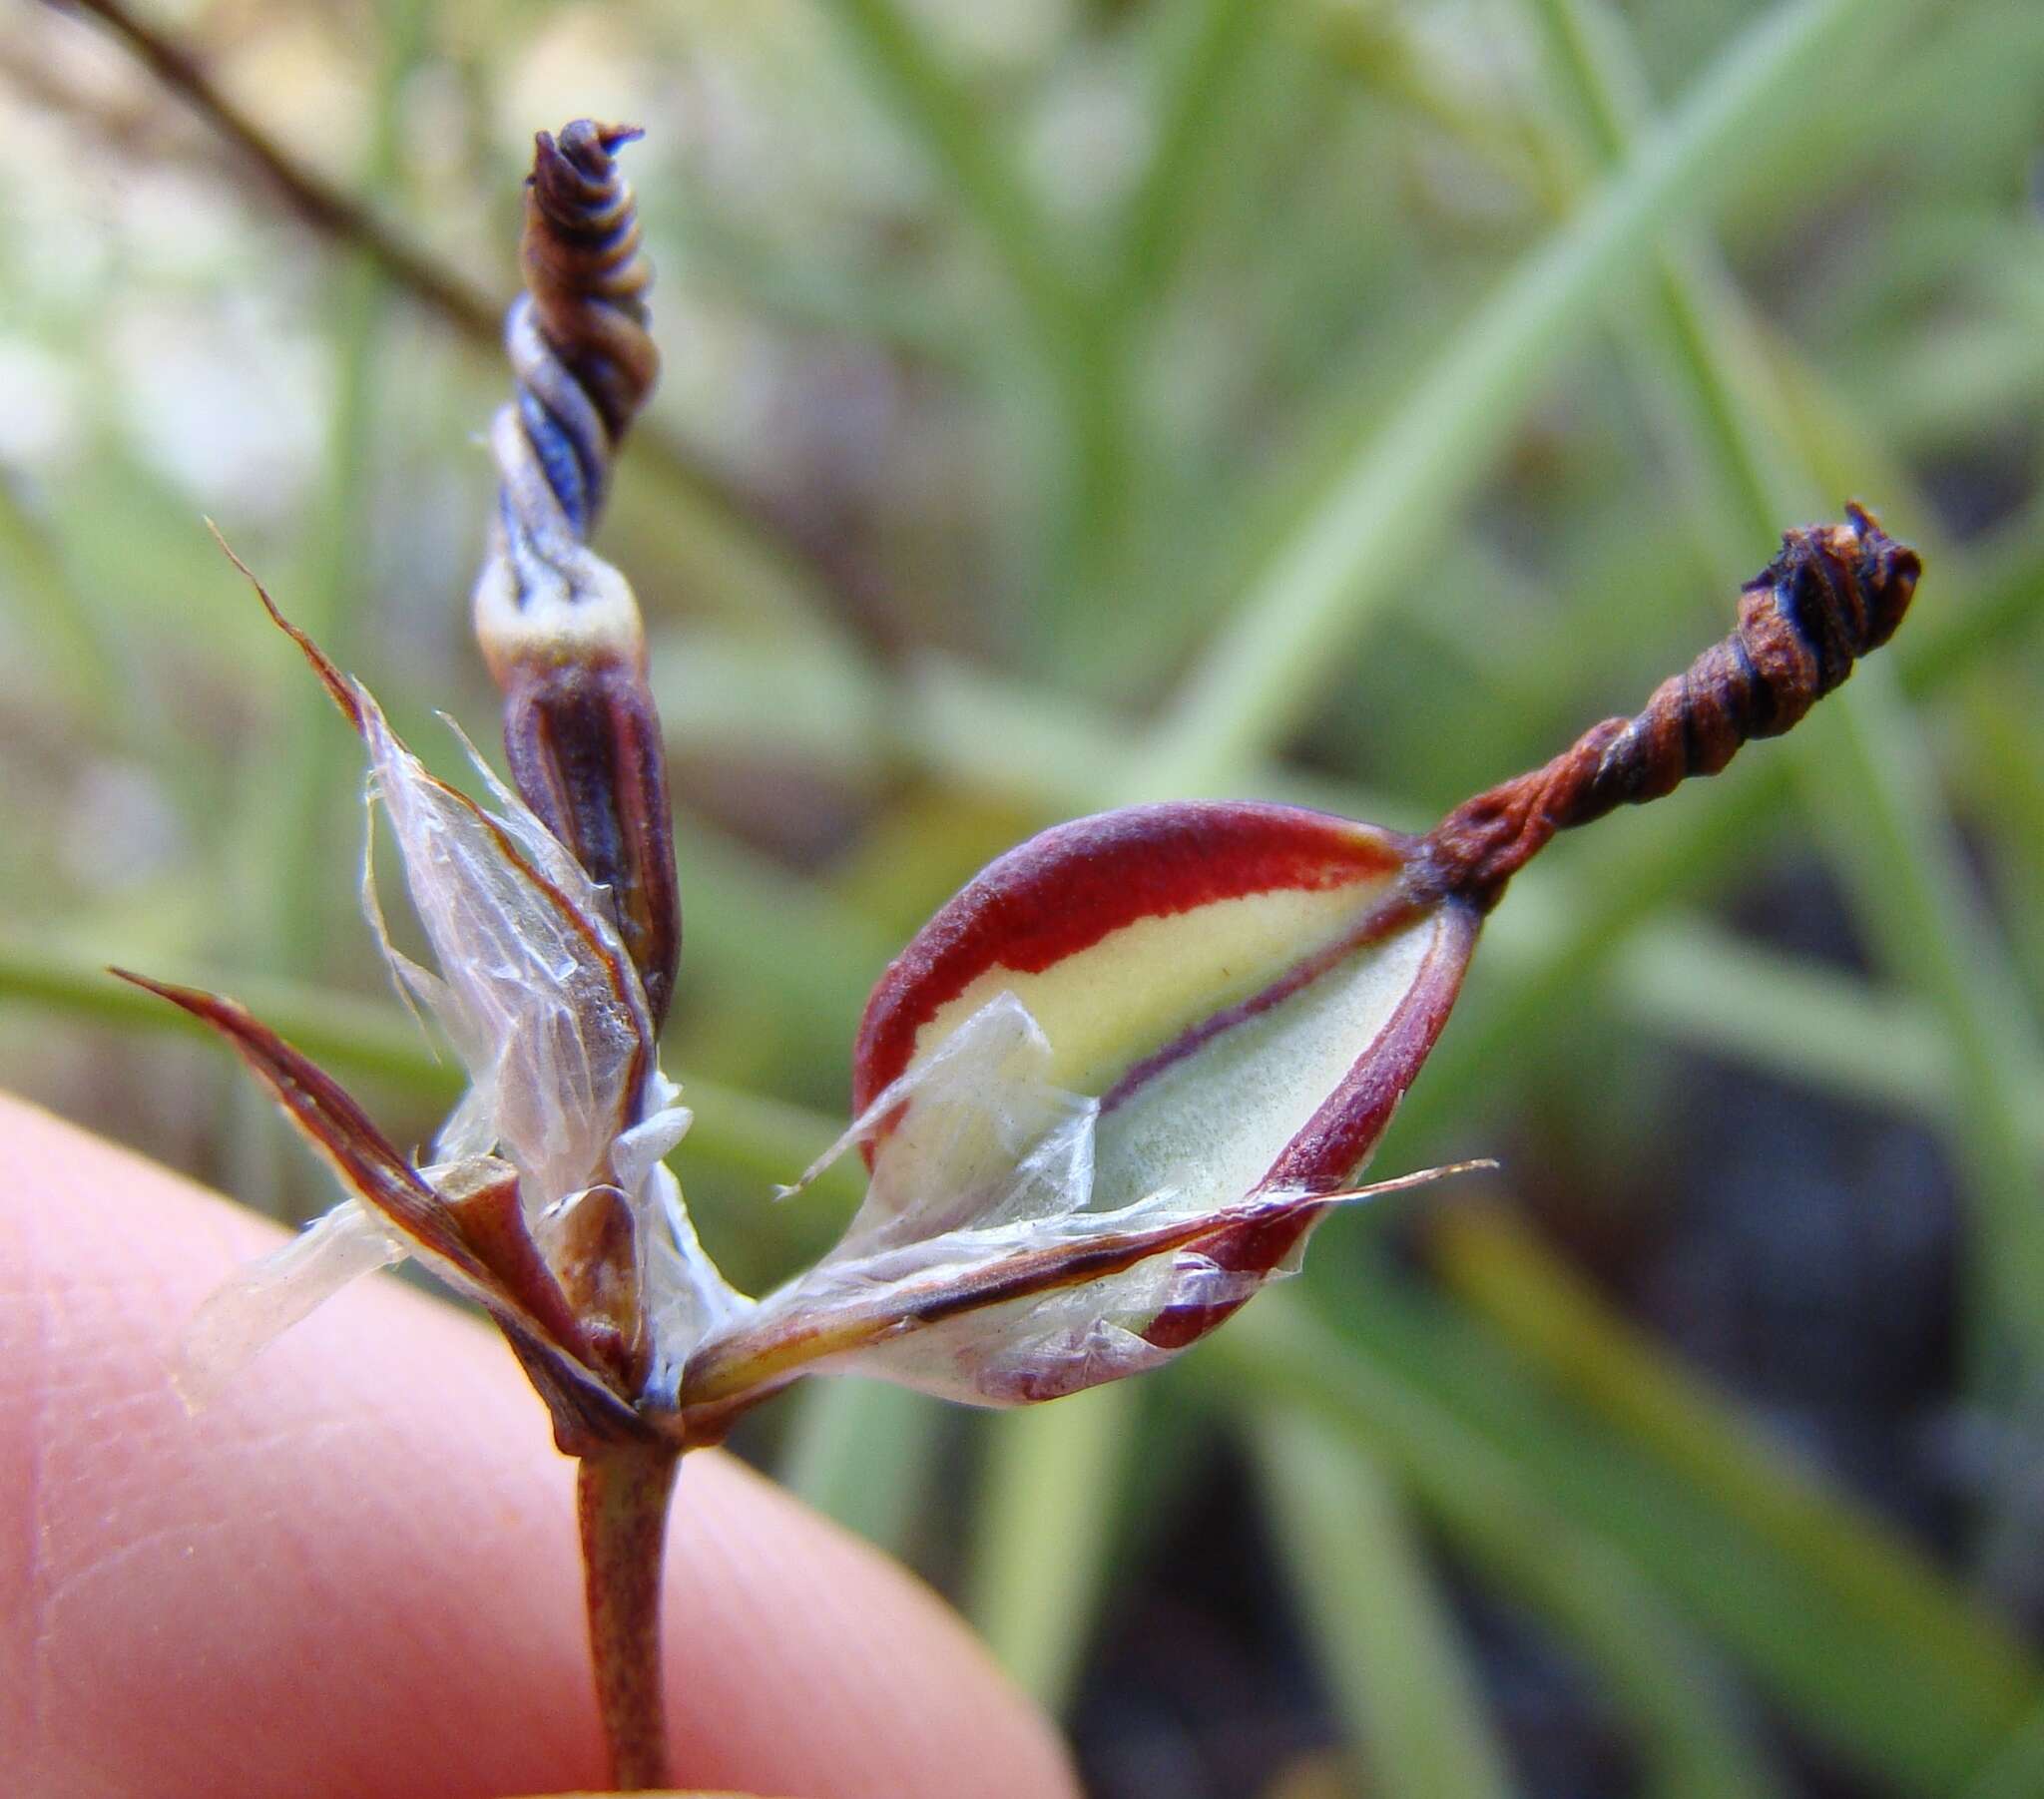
[354, 1574]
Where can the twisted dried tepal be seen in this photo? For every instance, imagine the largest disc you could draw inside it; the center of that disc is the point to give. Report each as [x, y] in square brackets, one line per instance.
[557, 623]
[1104, 1095]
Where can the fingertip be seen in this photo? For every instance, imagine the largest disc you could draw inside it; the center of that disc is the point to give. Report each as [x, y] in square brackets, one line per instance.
[356, 1569]
[793, 1616]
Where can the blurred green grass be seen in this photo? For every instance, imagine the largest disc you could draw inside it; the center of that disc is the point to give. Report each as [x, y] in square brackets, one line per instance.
[1342, 401]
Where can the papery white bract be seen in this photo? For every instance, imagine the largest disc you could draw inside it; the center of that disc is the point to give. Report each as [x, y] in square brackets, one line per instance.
[259, 1302]
[988, 1139]
[980, 1266]
[987, 1165]
[534, 986]
[543, 1006]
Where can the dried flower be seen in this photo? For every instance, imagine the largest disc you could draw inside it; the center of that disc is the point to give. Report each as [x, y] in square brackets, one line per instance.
[576, 1239]
[1104, 1096]
[558, 625]
[1089, 1139]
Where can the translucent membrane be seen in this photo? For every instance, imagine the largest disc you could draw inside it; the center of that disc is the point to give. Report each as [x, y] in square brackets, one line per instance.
[258, 1302]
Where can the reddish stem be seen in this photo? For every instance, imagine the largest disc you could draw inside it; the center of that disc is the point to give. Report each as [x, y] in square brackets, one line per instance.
[1834, 593]
[622, 1493]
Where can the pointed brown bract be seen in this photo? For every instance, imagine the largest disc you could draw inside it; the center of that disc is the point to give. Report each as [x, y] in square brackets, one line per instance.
[483, 1202]
[597, 1249]
[339, 688]
[329, 1120]
[539, 996]
[497, 1266]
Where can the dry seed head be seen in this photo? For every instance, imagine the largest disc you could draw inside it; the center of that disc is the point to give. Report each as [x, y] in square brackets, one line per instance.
[558, 625]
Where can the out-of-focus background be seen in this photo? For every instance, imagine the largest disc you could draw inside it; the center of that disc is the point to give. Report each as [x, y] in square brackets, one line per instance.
[1344, 400]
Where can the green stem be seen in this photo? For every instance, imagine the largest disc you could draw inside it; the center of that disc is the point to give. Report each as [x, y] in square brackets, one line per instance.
[1560, 1325]
[1047, 1515]
[1079, 352]
[1870, 791]
[2016, 1770]
[1157, 230]
[1399, 1673]
[1695, 983]
[1412, 1375]
[1860, 766]
[290, 823]
[322, 205]
[865, 1454]
[952, 131]
[1388, 506]
[622, 1496]
[69, 632]
[1692, 1737]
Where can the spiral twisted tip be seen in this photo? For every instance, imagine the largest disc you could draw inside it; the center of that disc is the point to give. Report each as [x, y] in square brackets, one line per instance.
[577, 338]
[583, 268]
[559, 625]
[1831, 595]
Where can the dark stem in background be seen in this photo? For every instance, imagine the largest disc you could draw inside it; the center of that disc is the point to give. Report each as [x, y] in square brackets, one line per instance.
[451, 297]
[621, 1496]
[322, 204]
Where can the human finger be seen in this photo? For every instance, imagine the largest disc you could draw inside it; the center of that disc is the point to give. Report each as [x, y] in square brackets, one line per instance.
[355, 1573]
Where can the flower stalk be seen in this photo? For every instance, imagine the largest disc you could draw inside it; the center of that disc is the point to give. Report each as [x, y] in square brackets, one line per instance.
[561, 632]
[621, 1501]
